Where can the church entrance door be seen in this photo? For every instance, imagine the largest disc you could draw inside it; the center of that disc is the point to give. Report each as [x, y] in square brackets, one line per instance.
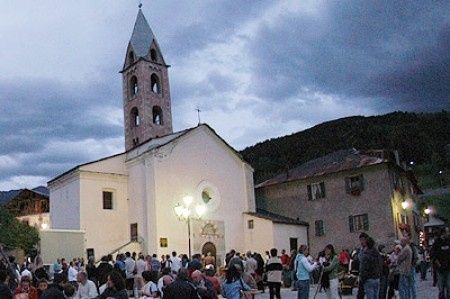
[211, 248]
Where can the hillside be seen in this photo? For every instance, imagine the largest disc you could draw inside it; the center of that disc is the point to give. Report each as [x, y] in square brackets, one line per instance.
[420, 137]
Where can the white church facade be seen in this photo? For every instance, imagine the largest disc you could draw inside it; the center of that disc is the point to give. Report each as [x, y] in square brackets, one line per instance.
[129, 199]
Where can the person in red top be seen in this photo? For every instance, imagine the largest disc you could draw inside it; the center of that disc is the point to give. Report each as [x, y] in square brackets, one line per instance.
[25, 289]
[285, 259]
[344, 259]
[286, 273]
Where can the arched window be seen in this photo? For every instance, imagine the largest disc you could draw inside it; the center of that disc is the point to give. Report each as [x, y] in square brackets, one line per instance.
[134, 86]
[130, 58]
[153, 55]
[136, 121]
[155, 84]
[157, 115]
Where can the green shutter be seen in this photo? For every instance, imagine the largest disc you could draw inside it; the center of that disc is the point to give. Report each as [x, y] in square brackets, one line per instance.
[322, 189]
[350, 223]
[361, 182]
[366, 222]
[309, 192]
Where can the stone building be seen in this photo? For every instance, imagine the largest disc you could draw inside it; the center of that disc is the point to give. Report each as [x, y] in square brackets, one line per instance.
[129, 201]
[345, 193]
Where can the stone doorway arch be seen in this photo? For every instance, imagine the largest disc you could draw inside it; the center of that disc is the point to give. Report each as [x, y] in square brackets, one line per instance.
[211, 248]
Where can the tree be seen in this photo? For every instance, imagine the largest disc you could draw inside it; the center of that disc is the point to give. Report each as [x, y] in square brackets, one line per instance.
[15, 234]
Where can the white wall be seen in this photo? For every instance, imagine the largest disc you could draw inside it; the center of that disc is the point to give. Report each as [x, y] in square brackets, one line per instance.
[282, 233]
[64, 202]
[61, 244]
[105, 230]
[260, 238]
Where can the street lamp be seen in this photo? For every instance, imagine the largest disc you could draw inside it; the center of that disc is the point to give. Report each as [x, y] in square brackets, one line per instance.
[405, 205]
[183, 212]
[427, 211]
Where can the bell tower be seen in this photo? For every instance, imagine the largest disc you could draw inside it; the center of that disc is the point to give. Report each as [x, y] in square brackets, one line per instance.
[145, 81]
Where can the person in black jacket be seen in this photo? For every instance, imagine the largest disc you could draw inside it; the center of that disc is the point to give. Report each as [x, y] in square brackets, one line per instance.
[116, 287]
[5, 292]
[181, 288]
[103, 270]
[369, 267]
[440, 256]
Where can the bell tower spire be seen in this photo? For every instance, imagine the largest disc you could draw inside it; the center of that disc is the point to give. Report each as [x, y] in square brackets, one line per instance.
[145, 81]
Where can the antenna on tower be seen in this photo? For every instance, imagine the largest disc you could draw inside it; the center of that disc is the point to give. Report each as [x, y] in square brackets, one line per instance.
[198, 114]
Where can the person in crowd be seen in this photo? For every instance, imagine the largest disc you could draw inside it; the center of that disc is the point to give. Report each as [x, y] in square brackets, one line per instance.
[285, 274]
[130, 268]
[344, 259]
[91, 270]
[233, 285]
[209, 275]
[5, 292]
[235, 259]
[55, 289]
[115, 287]
[394, 273]
[292, 269]
[331, 267]
[164, 280]
[57, 266]
[181, 287]
[259, 272]
[72, 274]
[175, 262]
[69, 291]
[210, 259]
[155, 264]
[369, 266]
[195, 263]
[25, 289]
[150, 289]
[440, 257]
[103, 270]
[42, 287]
[119, 265]
[384, 274]
[303, 269]
[404, 261]
[251, 264]
[274, 270]
[86, 288]
[422, 260]
[204, 287]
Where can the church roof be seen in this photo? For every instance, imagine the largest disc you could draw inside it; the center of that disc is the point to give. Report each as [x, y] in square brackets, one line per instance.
[142, 36]
[152, 144]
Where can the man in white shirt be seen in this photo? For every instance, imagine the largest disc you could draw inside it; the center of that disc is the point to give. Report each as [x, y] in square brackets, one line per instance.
[130, 267]
[86, 288]
[176, 263]
[72, 273]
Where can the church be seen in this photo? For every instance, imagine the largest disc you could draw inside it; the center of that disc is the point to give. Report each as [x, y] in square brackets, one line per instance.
[187, 191]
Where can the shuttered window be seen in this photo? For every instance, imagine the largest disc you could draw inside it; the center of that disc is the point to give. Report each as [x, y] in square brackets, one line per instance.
[316, 191]
[358, 222]
[354, 185]
[319, 230]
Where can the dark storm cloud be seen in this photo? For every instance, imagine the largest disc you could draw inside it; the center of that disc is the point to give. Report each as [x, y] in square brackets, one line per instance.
[389, 53]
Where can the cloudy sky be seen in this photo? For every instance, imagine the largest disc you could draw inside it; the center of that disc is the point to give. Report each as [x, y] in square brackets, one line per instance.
[257, 69]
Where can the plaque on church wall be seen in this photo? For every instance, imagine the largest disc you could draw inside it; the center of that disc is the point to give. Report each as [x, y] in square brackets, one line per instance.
[163, 242]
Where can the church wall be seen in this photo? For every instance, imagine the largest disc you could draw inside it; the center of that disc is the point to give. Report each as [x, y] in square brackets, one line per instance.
[105, 229]
[185, 167]
[65, 204]
[260, 237]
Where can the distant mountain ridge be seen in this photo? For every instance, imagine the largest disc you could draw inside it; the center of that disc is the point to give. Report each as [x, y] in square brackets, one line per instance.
[5, 196]
[419, 137]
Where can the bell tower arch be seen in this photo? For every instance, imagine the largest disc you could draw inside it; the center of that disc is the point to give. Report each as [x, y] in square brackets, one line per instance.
[145, 84]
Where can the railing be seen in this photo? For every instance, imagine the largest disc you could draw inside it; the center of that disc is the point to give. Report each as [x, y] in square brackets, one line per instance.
[139, 240]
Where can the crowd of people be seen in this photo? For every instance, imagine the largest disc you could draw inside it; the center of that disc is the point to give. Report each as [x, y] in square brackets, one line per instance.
[379, 274]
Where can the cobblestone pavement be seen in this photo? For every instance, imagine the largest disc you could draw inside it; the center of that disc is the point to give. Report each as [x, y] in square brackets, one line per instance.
[425, 290]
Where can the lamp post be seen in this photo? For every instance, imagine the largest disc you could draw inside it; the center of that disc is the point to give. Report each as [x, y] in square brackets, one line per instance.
[183, 212]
